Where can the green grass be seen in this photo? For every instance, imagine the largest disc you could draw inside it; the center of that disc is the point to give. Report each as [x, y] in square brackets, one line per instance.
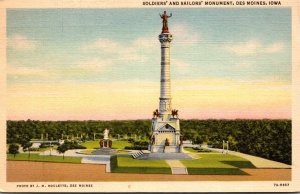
[218, 161]
[39, 158]
[126, 164]
[209, 164]
[216, 171]
[120, 144]
[142, 170]
[91, 144]
[217, 164]
[128, 161]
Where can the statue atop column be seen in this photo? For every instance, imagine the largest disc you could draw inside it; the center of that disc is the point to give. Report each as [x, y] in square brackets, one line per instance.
[105, 134]
[105, 142]
[165, 17]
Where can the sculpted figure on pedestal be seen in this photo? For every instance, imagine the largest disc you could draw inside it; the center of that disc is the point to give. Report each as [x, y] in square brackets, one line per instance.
[165, 17]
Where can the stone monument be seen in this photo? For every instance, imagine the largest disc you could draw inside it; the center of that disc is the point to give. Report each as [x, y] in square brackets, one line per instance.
[165, 122]
[105, 142]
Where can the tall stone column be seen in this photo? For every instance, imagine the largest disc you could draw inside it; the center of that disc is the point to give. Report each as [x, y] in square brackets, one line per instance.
[164, 125]
[165, 84]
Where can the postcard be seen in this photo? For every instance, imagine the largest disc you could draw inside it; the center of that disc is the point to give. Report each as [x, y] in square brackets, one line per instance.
[149, 96]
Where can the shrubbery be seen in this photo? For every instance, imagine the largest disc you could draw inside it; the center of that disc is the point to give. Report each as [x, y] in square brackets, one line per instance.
[113, 162]
[138, 145]
[199, 149]
[13, 149]
[71, 145]
[45, 145]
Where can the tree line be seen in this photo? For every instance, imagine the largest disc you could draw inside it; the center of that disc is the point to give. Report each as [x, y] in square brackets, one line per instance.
[270, 139]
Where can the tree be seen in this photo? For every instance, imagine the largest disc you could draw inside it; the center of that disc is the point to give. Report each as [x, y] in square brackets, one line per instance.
[26, 146]
[62, 149]
[13, 149]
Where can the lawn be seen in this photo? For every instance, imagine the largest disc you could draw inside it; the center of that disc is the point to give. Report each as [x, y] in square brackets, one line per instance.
[91, 144]
[126, 164]
[217, 164]
[120, 144]
[39, 158]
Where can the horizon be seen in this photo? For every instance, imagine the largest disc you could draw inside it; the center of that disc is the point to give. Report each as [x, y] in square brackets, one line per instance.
[87, 64]
[147, 119]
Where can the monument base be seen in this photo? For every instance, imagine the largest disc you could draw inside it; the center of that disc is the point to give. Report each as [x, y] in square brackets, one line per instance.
[165, 149]
[104, 151]
[165, 135]
[105, 143]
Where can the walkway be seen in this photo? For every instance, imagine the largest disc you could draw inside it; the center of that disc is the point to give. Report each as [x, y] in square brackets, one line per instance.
[257, 161]
[177, 167]
[86, 159]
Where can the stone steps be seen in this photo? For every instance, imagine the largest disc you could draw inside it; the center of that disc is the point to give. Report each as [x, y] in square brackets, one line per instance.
[179, 170]
[177, 167]
[137, 154]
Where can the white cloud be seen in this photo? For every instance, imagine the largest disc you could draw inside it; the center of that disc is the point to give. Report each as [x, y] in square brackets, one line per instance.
[244, 65]
[115, 51]
[274, 48]
[245, 48]
[94, 65]
[253, 47]
[146, 42]
[181, 66]
[28, 72]
[102, 44]
[22, 70]
[184, 34]
[20, 42]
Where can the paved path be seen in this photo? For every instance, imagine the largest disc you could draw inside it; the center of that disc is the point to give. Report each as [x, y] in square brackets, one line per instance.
[86, 159]
[73, 153]
[257, 161]
[177, 167]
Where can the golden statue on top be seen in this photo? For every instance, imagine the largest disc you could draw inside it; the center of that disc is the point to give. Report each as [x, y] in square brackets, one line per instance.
[165, 17]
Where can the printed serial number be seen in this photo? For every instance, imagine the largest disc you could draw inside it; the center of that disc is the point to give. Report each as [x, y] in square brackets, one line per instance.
[281, 184]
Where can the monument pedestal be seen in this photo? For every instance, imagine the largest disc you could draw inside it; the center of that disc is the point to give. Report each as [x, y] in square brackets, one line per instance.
[105, 143]
[165, 135]
[172, 149]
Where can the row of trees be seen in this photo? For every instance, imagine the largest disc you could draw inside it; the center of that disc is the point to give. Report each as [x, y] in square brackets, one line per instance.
[30, 129]
[270, 139]
[266, 138]
[67, 145]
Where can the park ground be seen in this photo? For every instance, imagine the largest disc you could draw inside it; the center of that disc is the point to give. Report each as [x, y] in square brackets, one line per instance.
[208, 166]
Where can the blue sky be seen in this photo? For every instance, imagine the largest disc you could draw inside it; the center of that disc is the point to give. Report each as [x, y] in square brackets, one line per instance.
[201, 46]
[228, 63]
